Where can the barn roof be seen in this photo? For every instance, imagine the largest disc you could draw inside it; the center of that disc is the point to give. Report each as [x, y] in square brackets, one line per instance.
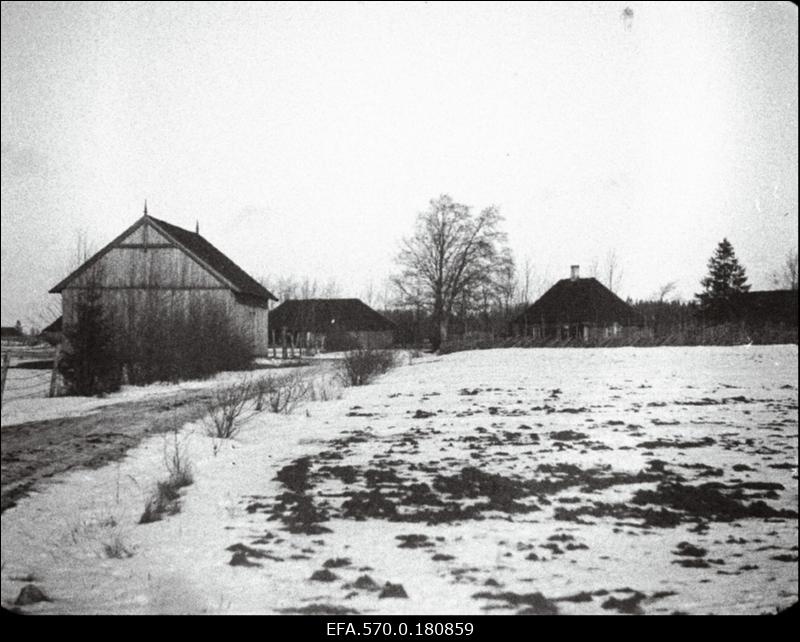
[55, 326]
[768, 305]
[580, 301]
[247, 289]
[201, 248]
[10, 331]
[322, 315]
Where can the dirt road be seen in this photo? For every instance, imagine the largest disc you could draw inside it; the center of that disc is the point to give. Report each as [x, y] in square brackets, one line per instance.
[37, 450]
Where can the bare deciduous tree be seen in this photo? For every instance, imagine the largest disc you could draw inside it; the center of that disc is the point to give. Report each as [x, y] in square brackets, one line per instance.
[665, 290]
[787, 278]
[594, 268]
[451, 253]
[296, 287]
[524, 282]
[613, 271]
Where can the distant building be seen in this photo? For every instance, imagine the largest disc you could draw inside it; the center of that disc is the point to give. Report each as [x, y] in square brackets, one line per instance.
[332, 324]
[155, 261]
[767, 307]
[12, 333]
[577, 308]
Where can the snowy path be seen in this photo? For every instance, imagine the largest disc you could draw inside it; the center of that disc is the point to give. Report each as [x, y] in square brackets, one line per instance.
[34, 451]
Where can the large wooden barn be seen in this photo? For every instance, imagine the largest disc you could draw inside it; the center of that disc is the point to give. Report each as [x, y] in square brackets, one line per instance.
[332, 324]
[577, 308]
[156, 261]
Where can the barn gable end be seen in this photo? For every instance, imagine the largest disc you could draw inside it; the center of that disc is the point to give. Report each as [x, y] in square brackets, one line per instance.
[155, 256]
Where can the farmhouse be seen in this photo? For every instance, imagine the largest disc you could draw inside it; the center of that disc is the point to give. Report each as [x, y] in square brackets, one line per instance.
[767, 307]
[577, 308]
[156, 263]
[332, 324]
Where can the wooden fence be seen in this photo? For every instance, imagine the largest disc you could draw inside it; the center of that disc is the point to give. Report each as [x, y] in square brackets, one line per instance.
[41, 379]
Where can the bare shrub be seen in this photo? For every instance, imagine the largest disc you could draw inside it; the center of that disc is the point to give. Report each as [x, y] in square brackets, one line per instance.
[288, 391]
[169, 339]
[359, 367]
[324, 389]
[282, 393]
[100, 532]
[177, 462]
[116, 548]
[262, 387]
[163, 500]
[225, 407]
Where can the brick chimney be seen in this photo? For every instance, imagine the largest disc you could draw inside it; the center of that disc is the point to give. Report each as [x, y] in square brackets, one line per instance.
[574, 272]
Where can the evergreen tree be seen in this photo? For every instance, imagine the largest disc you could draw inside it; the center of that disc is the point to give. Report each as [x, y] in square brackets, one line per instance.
[725, 281]
[89, 364]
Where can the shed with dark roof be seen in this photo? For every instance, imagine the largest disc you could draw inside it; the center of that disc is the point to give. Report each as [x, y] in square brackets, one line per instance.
[156, 261]
[577, 308]
[12, 331]
[332, 323]
[766, 307]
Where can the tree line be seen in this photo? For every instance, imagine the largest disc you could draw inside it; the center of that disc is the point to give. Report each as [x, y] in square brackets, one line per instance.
[457, 271]
[456, 275]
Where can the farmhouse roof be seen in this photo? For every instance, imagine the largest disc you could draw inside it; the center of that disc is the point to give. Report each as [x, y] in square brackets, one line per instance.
[325, 315]
[10, 331]
[579, 301]
[198, 248]
[768, 305]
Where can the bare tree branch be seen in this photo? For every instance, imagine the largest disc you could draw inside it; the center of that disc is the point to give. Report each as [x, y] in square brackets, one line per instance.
[454, 258]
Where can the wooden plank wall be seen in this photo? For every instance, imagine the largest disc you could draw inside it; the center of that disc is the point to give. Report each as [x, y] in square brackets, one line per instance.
[145, 269]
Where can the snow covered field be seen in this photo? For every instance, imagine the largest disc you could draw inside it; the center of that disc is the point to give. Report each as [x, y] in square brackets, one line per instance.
[652, 480]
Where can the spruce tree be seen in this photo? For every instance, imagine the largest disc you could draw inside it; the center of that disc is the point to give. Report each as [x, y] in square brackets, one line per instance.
[725, 281]
[89, 362]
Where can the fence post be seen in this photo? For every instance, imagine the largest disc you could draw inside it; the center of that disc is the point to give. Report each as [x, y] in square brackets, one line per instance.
[54, 373]
[6, 360]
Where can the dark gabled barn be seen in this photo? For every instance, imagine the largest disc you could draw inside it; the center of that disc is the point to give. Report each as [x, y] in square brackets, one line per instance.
[577, 308]
[767, 307]
[331, 323]
[12, 332]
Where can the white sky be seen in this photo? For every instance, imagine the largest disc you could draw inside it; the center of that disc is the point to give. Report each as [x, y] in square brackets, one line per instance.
[306, 137]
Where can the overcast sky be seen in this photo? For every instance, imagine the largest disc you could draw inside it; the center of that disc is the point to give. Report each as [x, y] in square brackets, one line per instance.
[306, 137]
